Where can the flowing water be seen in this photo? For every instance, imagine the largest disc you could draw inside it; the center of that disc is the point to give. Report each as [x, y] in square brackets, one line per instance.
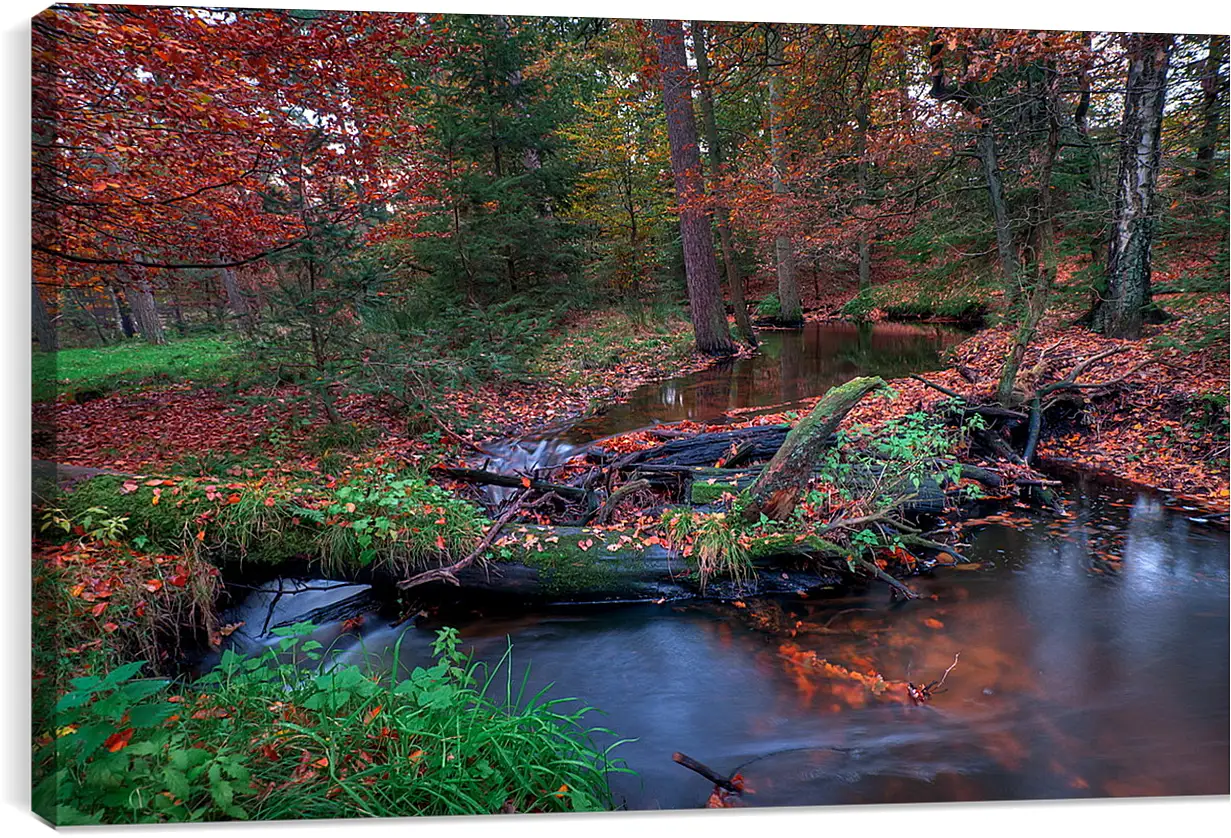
[1092, 651]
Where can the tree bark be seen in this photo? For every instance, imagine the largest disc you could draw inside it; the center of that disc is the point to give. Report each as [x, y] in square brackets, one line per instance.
[1212, 88]
[969, 96]
[776, 491]
[862, 123]
[709, 320]
[44, 331]
[236, 300]
[988, 157]
[1123, 310]
[1042, 251]
[721, 217]
[145, 312]
[123, 318]
[790, 312]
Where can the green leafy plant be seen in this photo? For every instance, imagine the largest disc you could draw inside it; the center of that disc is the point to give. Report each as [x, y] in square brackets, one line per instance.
[294, 733]
[95, 523]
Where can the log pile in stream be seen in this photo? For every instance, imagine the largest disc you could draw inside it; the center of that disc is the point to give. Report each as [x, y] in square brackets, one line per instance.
[573, 557]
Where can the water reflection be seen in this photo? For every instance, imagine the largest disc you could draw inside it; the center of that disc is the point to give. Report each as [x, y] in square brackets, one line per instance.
[1072, 681]
[789, 367]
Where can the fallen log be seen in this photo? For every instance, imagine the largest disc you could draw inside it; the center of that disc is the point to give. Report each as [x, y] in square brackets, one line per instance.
[776, 492]
[706, 449]
[512, 481]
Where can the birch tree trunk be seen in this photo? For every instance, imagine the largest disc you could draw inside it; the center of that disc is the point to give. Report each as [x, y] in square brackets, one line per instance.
[709, 121]
[1123, 310]
[790, 312]
[709, 319]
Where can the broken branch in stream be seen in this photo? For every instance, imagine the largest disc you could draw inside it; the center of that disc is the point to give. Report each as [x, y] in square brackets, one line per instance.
[708, 773]
[884, 577]
[449, 573]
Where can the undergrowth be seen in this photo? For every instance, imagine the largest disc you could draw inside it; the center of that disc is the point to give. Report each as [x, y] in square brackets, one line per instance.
[293, 733]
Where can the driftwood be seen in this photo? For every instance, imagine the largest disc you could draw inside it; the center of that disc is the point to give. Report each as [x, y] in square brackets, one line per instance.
[706, 772]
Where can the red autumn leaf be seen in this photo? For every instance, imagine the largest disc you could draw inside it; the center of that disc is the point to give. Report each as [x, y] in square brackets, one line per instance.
[118, 741]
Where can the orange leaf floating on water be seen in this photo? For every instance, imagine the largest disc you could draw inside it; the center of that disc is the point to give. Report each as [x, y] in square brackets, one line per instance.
[933, 623]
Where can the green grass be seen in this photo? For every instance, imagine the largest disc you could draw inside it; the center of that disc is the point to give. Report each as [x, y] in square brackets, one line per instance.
[109, 368]
[294, 733]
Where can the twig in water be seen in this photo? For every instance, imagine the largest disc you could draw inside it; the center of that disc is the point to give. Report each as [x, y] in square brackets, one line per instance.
[921, 695]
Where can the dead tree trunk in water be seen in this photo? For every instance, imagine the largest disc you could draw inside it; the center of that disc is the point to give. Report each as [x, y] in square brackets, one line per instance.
[1124, 308]
[721, 217]
[709, 320]
[790, 311]
[776, 491]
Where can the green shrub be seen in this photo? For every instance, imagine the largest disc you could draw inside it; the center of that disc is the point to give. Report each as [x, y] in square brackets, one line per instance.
[769, 308]
[293, 734]
[398, 521]
[860, 306]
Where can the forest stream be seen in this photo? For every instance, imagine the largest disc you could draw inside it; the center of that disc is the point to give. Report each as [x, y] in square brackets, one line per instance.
[1091, 650]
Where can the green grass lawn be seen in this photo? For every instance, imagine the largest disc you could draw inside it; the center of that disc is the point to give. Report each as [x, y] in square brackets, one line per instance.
[110, 368]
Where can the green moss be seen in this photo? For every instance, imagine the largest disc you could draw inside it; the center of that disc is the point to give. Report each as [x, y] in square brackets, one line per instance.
[775, 544]
[565, 568]
[702, 492]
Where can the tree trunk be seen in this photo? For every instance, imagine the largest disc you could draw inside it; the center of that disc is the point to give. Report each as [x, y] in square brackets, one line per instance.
[709, 320]
[1042, 251]
[123, 319]
[44, 331]
[236, 300]
[1122, 311]
[710, 123]
[1212, 85]
[1000, 214]
[862, 172]
[145, 312]
[790, 312]
[776, 491]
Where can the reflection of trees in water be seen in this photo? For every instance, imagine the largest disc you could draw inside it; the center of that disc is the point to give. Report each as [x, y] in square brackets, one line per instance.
[790, 366]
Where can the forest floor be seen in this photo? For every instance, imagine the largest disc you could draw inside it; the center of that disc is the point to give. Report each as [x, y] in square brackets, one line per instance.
[1165, 429]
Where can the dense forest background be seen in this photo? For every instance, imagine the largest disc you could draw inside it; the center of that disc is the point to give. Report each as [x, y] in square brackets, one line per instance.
[367, 198]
